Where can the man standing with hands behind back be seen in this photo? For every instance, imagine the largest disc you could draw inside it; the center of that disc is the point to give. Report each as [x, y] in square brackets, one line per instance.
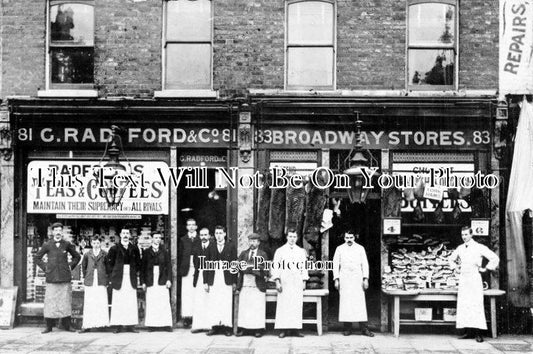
[350, 272]
[470, 310]
[58, 295]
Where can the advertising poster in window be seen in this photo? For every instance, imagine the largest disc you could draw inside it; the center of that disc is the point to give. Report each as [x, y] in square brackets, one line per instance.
[80, 187]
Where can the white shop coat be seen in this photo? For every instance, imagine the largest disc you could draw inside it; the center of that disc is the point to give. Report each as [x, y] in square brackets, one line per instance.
[470, 309]
[350, 266]
[289, 305]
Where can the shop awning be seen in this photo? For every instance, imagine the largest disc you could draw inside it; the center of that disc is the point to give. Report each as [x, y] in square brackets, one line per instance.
[519, 200]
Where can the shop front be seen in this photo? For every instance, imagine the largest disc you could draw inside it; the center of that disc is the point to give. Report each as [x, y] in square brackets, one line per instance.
[168, 156]
[408, 222]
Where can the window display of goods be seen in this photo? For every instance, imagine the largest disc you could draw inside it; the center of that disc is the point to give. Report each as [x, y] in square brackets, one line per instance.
[421, 269]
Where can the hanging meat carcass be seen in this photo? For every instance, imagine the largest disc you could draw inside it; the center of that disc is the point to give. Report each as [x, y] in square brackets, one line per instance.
[315, 202]
[294, 209]
[392, 198]
[276, 220]
[419, 195]
[263, 208]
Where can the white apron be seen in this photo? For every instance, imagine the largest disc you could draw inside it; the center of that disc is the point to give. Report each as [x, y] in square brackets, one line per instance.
[158, 312]
[351, 266]
[187, 292]
[290, 301]
[95, 305]
[252, 305]
[124, 310]
[352, 303]
[221, 296]
[200, 313]
[470, 309]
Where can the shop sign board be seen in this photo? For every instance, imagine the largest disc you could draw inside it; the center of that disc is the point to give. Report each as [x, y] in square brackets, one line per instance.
[284, 137]
[516, 47]
[71, 187]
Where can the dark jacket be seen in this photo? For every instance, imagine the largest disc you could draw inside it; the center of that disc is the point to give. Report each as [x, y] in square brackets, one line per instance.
[57, 268]
[89, 263]
[185, 250]
[115, 264]
[197, 252]
[229, 254]
[260, 274]
[148, 261]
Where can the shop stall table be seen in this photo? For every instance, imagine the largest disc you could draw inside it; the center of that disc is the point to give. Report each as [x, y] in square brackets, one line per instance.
[400, 296]
[310, 296]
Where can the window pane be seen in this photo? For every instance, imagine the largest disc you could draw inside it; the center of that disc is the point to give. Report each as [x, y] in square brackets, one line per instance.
[73, 23]
[72, 65]
[310, 22]
[431, 24]
[310, 67]
[188, 66]
[189, 20]
[431, 67]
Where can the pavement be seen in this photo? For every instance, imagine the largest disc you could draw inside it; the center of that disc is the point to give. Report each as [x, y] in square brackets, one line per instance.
[30, 340]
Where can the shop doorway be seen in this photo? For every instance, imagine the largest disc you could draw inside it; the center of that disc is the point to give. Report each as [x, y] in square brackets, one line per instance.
[207, 206]
[364, 219]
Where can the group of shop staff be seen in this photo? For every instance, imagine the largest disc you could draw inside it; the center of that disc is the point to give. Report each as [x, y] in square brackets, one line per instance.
[207, 295]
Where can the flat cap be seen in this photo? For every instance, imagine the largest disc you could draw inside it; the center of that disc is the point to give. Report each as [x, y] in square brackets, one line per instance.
[254, 236]
[57, 224]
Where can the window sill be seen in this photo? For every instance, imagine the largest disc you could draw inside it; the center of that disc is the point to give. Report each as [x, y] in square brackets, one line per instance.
[186, 93]
[68, 93]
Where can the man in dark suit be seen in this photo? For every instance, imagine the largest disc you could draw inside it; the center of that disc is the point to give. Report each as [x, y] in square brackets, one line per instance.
[221, 283]
[186, 246]
[200, 316]
[58, 295]
[156, 276]
[124, 263]
[251, 287]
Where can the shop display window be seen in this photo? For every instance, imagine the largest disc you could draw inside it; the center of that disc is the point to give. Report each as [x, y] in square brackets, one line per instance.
[79, 232]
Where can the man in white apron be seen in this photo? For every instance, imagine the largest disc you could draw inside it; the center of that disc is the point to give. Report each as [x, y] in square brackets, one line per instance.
[200, 314]
[156, 275]
[290, 284]
[124, 263]
[222, 284]
[350, 272]
[186, 270]
[251, 288]
[468, 258]
[95, 305]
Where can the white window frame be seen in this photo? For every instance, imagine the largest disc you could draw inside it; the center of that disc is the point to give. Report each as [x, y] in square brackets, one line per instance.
[455, 48]
[183, 92]
[65, 90]
[286, 85]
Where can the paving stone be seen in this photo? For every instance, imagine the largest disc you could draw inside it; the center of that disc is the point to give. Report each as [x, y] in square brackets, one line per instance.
[224, 350]
[505, 347]
[270, 350]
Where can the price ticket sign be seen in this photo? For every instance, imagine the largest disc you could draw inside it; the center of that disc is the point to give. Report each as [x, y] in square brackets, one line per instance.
[480, 227]
[392, 226]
